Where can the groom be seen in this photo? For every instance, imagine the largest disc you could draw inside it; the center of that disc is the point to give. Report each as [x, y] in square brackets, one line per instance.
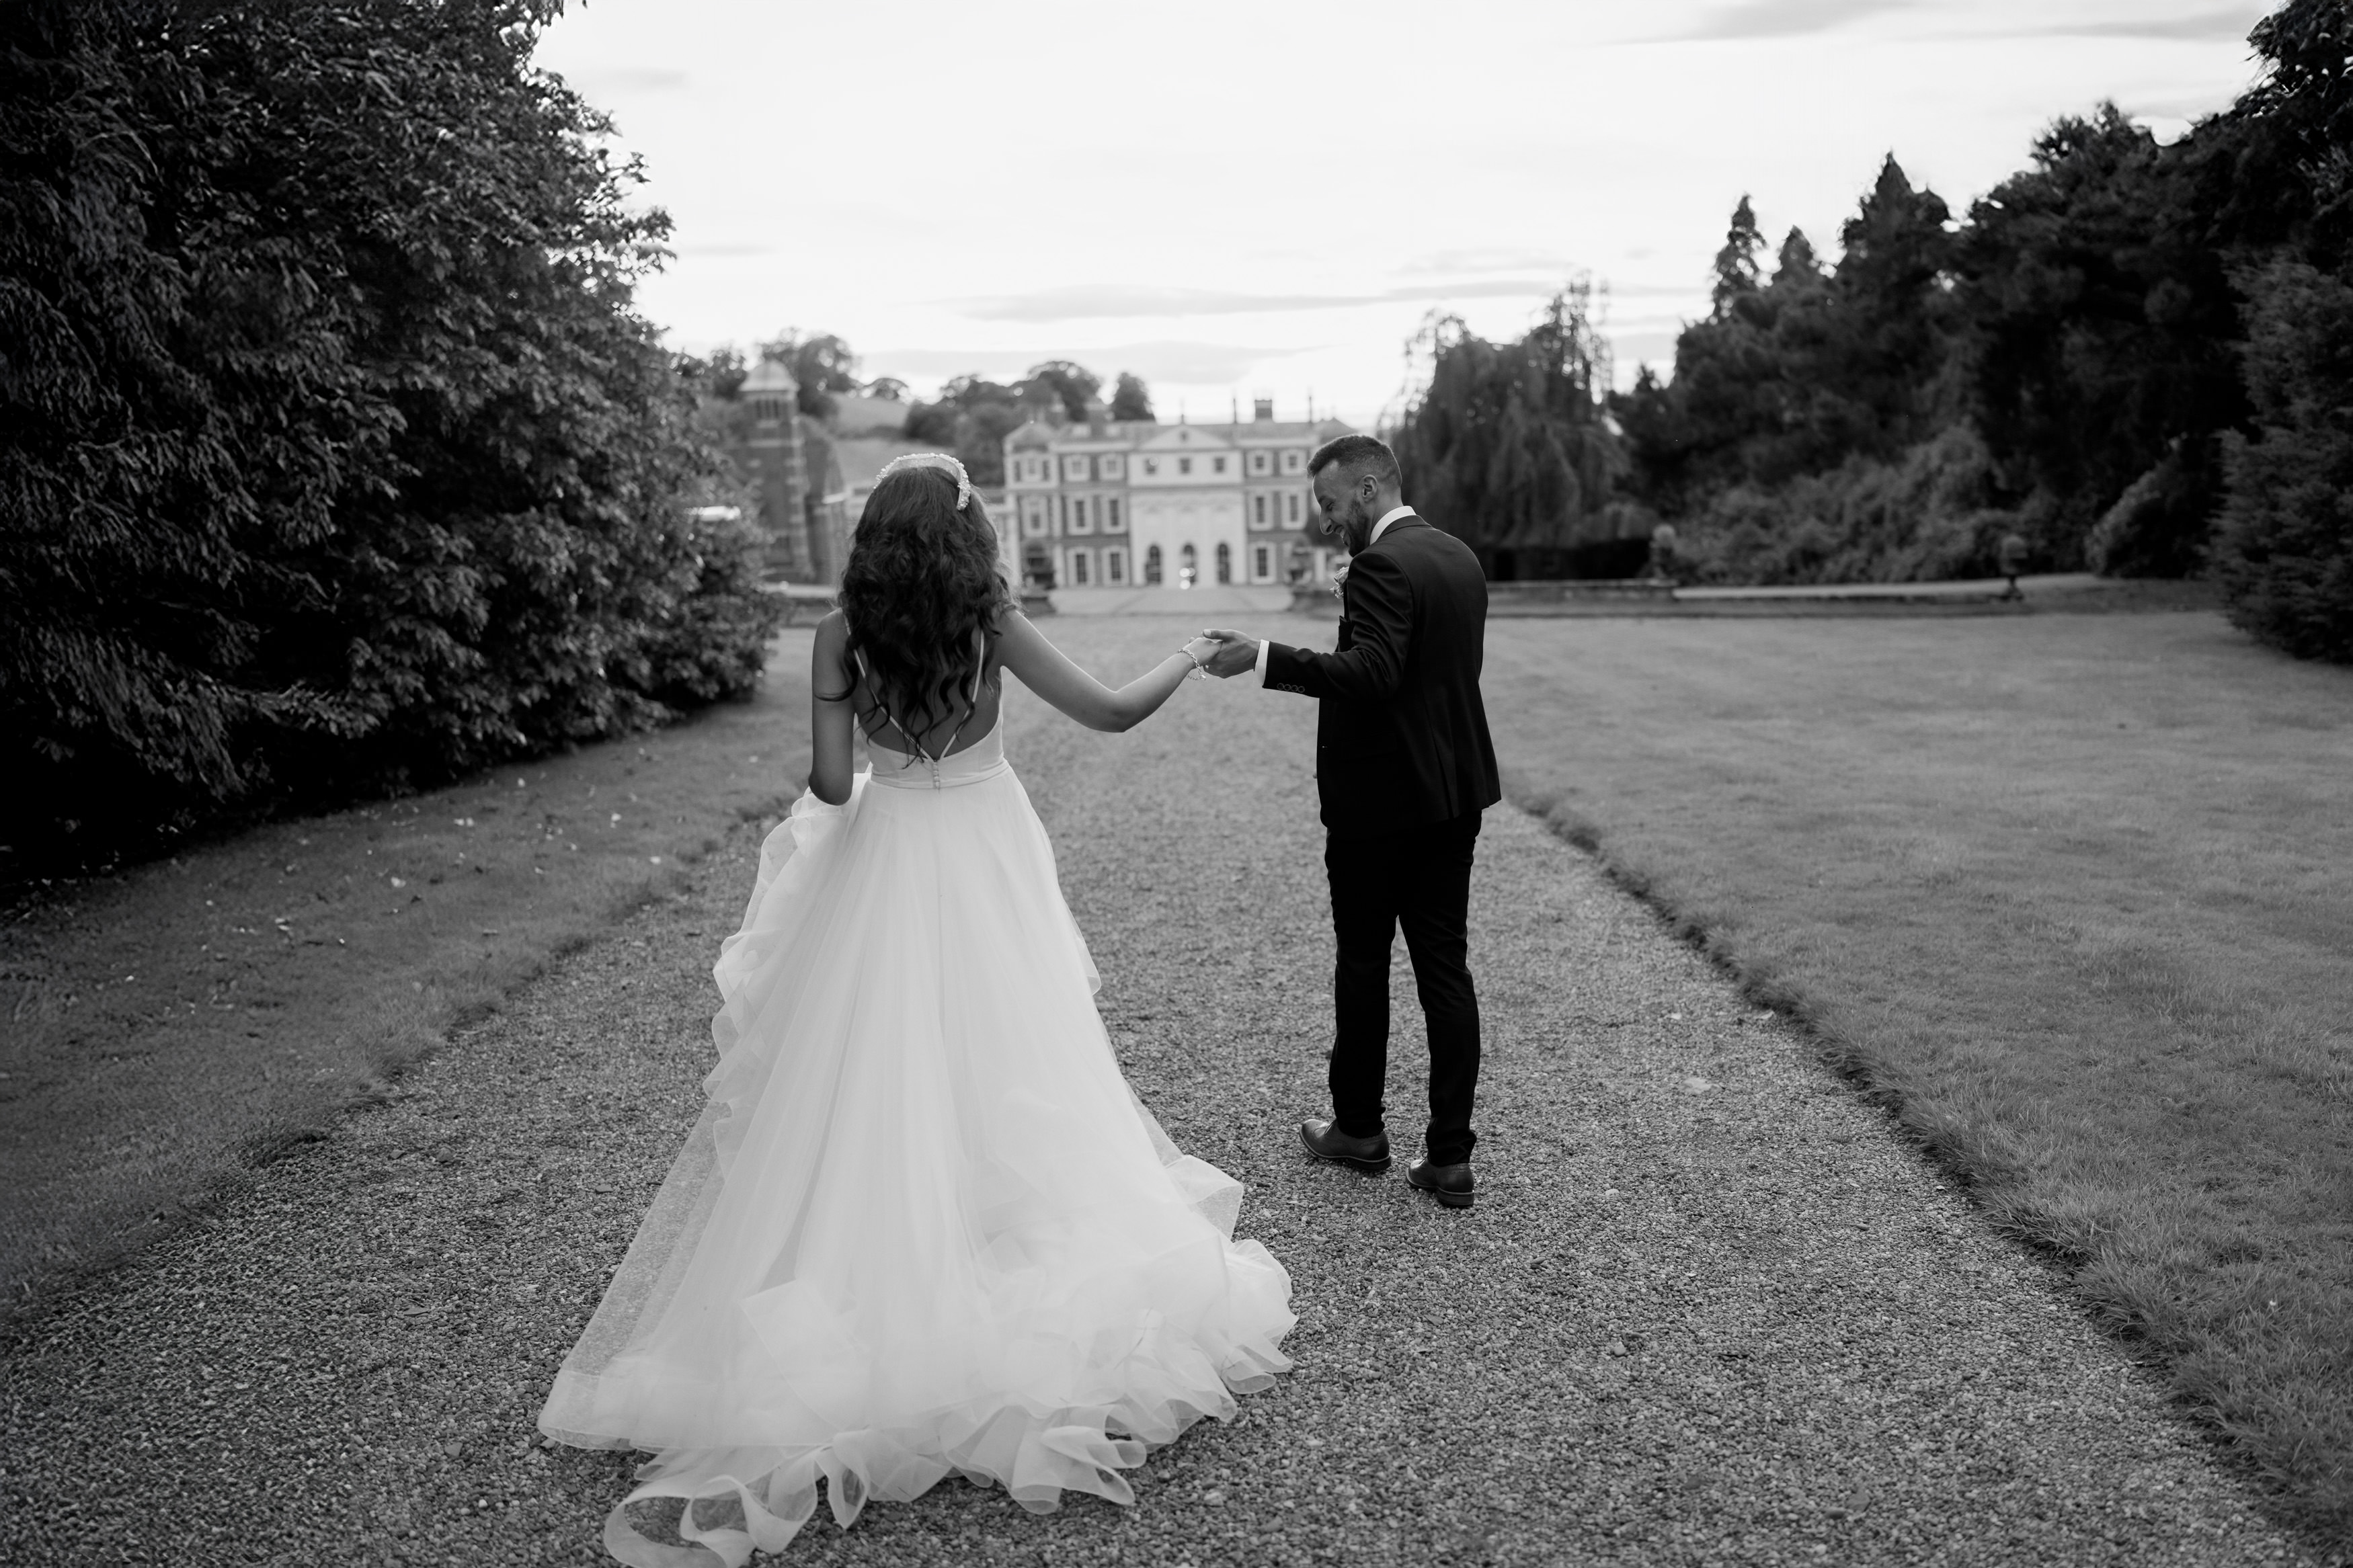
[1403, 767]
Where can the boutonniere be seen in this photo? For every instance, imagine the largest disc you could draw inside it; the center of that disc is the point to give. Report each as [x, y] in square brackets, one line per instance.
[1339, 578]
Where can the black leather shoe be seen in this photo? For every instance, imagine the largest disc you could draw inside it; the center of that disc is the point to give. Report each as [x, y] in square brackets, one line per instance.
[1327, 1141]
[1449, 1185]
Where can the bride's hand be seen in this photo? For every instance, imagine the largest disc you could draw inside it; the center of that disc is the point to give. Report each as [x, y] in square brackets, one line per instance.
[1199, 650]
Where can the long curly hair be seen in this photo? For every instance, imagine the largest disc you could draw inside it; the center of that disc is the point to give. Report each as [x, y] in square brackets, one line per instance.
[923, 576]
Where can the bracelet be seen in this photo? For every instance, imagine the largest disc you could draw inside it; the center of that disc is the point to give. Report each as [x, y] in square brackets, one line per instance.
[1200, 671]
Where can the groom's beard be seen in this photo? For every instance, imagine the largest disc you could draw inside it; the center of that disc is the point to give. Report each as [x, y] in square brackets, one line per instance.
[1356, 528]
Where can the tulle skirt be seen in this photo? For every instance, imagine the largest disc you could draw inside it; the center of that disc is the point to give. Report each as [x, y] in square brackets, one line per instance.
[922, 1226]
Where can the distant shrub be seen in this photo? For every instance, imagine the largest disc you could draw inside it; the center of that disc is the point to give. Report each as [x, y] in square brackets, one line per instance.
[332, 451]
[1923, 516]
[2284, 554]
[2159, 527]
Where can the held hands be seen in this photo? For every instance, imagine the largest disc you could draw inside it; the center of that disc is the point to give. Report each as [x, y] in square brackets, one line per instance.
[1233, 653]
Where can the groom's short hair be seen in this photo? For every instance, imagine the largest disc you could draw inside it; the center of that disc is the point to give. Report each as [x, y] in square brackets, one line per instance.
[1359, 454]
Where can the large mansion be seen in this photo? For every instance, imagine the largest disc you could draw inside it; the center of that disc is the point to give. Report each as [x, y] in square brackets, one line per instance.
[1116, 504]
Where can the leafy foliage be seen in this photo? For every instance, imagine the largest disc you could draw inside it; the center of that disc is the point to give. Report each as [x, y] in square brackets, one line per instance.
[2285, 556]
[973, 416]
[1507, 448]
[2102, 323]
[822, 366]
[1130, 399]
[2102, 359]
[331, 454]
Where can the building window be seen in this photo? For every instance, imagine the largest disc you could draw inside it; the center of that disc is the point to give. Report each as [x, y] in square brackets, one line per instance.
[1078, 568]
[1152, 567]
[1108, 464]
[1225, 562]
[1114, 565]
[1261, 562]
[1151, 465]
[1217, 465]
[1079, 516]
[1063, 512]
[1294, 506]
[1033, 522]
[1189, 566]
[1111, 515]
[1258, 462]
[1290, 461]
[1184, 464]
[1074, 467]
[1258, 512]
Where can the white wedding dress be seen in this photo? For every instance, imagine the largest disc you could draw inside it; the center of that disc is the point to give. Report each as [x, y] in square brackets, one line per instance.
[924, 1225]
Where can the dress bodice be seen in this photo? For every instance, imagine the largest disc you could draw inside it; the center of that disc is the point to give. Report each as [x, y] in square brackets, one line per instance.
[984, 759]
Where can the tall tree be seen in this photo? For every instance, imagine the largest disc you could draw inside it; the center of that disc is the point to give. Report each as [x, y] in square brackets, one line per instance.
[1130, 399]
[2101, 318]
[822, 364]
[1507, 448]
[330, 449]
[1059, 384]
[1735, 264]
[1797, 265]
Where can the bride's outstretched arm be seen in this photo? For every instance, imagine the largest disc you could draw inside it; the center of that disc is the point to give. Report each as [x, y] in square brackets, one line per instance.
[1048, 671]
[830, 756]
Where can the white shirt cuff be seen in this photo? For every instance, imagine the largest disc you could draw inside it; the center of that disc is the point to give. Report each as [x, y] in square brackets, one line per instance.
[1264, 646]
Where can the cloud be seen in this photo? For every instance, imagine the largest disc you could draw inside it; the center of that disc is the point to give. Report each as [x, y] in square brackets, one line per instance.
[1492, 259]
[1781, 18]
[599, 80]
[1169, 360]
[2232, 21]
[1081, 302]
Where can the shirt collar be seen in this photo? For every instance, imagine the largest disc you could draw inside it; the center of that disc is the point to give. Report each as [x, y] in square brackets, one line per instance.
[1387, 518]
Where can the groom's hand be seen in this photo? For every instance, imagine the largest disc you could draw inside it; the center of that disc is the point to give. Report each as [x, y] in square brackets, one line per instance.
[1235, 652]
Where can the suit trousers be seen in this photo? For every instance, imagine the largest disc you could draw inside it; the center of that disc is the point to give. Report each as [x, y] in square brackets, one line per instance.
[1418, 879]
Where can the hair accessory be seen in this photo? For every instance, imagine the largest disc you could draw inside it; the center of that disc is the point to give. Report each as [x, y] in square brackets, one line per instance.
[940, 460]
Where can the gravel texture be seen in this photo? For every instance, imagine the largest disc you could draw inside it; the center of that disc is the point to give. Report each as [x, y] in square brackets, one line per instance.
[1707, 1308]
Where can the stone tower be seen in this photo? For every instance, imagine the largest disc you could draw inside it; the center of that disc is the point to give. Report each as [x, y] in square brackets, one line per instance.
[778, 470]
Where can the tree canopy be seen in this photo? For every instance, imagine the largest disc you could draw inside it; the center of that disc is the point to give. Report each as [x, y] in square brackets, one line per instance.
[332, 451]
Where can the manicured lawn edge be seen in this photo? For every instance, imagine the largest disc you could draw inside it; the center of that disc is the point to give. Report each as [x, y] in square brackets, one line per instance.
[1969, 1157]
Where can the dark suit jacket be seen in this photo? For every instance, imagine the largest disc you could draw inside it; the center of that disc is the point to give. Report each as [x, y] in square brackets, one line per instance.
[1401, 733]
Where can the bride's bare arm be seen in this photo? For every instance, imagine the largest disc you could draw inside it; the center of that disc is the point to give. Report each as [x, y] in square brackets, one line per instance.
[830, 757]
[1047, 670]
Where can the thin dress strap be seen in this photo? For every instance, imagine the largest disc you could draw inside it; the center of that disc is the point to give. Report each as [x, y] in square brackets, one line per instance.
[971, 701]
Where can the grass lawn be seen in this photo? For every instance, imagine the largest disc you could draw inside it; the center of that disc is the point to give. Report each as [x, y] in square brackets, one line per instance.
[172, 1025]
[2073, 893]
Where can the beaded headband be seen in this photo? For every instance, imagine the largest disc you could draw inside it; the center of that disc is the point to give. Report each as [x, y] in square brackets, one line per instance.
[940, 460]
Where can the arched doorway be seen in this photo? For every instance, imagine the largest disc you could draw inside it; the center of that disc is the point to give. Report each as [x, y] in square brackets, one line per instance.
[1152, 567]
[1225, 562]
[1188, 568]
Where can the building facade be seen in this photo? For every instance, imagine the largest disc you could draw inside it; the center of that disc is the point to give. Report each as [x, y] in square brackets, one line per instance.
[796, 478]
[1109, 504]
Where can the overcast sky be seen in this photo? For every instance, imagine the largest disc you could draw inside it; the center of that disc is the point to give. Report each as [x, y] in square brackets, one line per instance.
[1266, 198]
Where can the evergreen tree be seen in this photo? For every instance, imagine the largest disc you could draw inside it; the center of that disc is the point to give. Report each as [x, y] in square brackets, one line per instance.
[1797, 266]
[1735, 264]
[2101, 320]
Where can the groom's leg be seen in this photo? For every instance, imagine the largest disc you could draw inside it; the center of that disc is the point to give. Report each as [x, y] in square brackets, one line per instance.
[1364, 923]
[1436, 914]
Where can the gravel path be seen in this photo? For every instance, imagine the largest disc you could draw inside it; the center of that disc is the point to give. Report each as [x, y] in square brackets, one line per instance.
[1706, 1309]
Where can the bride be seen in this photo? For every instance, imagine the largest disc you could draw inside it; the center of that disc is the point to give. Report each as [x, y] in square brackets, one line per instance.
[924, 1225]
